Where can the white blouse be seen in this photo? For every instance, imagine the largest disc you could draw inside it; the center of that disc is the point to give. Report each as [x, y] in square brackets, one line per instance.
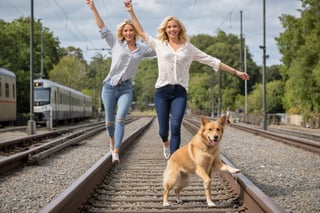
[173, 66]
[124, 63]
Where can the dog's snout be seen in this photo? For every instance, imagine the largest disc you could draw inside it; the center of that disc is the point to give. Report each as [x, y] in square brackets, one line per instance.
[216, 137]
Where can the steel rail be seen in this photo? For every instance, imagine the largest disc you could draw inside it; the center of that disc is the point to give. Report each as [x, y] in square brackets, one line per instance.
[250, 195]
[15, 160]
[291, 140]
[72, 198]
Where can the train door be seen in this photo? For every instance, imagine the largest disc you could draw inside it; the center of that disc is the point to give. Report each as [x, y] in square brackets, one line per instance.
[55, 102]
[70, 107]
[84, 107]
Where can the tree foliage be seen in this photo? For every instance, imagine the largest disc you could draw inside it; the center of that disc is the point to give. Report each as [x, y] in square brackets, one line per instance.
[71, 72]
[144, 82]
[15, 54]
[227, 49]
[274, 91]
[299, 45]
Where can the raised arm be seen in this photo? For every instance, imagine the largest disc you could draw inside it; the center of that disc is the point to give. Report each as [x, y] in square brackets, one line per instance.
[129, 8]
[227, 68]
[96, 15]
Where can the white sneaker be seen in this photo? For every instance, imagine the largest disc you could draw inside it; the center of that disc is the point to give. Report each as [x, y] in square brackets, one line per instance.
[115, 157]
[166, 152]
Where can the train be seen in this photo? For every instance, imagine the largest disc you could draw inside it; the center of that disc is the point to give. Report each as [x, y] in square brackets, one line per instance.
[8, 97]
[54, 103]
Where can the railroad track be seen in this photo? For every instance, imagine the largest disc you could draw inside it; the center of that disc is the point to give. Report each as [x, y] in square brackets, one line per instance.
[34, 148]
[305, 140]
[135, 185]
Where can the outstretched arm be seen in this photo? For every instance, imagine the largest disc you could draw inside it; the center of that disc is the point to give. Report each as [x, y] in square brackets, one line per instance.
[129, 8]
[242, 75]
[96, 15]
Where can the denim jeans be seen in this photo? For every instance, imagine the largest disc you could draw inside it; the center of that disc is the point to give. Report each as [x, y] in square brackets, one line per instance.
[116, 97]
[170, 99]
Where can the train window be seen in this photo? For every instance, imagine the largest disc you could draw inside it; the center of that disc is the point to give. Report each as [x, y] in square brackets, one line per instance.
[13, 91]
[41, 94]
[0, 89]
[7, 93]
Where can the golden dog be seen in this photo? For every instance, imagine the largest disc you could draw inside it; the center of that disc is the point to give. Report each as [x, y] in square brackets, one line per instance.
[198, 157]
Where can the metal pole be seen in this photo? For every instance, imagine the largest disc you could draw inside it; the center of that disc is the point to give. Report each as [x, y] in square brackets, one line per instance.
[241, 45]
[245, 82]
[264, 68]
[219, 94]
[31, 124]
[94, 89]
[212, 94]
[41, 36]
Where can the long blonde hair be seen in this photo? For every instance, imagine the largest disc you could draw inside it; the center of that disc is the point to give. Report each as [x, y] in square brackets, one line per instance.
[120, 29]
[162, 35]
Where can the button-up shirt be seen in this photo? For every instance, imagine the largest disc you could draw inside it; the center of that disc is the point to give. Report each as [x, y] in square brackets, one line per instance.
[173, 66]
[124, 62]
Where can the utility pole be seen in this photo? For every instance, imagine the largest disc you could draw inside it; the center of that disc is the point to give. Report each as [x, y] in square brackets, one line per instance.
[31, 129]
[41, 59]
[245, 83]
[96, 112]
[241, 44]
[219, 94]
[212, 94]
[243, 62]
[263, 47]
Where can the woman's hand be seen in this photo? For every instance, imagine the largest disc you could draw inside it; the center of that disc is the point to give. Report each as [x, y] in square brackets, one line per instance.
[242, 75]
[128, 5]
[90, 3]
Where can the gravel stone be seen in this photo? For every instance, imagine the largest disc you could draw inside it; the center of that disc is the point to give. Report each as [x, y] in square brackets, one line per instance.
[289, 175]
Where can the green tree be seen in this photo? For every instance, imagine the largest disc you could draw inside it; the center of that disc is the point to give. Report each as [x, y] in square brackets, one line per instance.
[227, 48]
[97, 71]
[300, 46]
[273, 73]
[199, 100]
[274, 91]
[144, 83]
[71, 72]
[15, 54]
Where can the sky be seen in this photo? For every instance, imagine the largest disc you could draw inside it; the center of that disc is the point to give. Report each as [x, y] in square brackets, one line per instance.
[72, 22]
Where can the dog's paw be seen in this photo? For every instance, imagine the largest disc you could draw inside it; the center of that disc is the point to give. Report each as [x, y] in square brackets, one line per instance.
[211, 204]
[234, 170]
[165, 204]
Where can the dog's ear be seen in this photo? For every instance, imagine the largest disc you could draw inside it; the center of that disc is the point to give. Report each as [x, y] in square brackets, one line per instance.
[203, 120]
[223, 120]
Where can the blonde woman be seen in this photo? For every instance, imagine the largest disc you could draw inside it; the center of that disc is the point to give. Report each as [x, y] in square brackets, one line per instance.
[175, 55]
[117, 90]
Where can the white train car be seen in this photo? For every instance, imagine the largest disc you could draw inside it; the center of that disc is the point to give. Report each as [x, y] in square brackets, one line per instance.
[8, 99]
[54, 102]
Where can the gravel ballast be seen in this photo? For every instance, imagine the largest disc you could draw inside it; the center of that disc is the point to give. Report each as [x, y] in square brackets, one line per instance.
[290, 176]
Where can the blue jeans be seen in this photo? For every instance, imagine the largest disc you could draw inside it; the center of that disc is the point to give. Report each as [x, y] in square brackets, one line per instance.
[170, 99]
[116, 97]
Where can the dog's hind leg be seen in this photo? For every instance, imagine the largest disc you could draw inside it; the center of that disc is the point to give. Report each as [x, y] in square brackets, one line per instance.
[182, 183]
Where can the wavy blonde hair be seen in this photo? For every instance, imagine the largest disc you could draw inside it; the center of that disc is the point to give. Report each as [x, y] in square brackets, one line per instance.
[120, 29]
[162, 35]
